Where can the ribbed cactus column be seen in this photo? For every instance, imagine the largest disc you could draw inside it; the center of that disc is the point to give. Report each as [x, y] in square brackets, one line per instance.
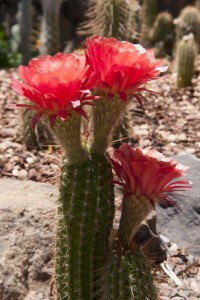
[88, 208]
[185, 59]
[85, 214]
[132, 279]
[128, 277]
[106, 115]
[134, 211]
[105, 212]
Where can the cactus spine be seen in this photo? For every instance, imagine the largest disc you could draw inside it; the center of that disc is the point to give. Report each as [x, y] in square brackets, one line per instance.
[185, 59]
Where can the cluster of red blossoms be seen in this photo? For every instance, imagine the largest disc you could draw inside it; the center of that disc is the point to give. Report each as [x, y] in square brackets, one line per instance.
[55, 85]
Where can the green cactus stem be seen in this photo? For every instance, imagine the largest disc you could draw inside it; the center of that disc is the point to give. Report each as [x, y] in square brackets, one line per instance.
[68, 133]
[87, 199]
[127, 277]
[105, 117]
[61, 256]
[134, 211]
[185, 59]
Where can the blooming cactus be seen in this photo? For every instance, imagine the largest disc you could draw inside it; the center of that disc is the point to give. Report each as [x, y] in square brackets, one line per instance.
[146, 178]
[148, 173]
[55, 85]
[122, 66]
[59, 87]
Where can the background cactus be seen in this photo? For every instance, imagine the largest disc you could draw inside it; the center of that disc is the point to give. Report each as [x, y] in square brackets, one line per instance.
[163, 26]
[50, 35]
[185, 59]
[148, 16]
[162, 34]
[37, 137]
[189, 22]
[25, 29]
[107, 18]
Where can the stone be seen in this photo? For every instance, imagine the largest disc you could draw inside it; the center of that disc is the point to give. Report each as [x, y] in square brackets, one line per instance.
[182, 226]
[26, 239]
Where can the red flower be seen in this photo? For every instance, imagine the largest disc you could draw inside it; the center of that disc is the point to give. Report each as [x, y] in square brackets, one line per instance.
[55, 85]
[148, 174]
[123, 67]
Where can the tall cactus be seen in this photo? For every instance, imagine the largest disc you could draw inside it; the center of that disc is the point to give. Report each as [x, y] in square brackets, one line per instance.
[89, 265]
[88, 210]
[50, 36]
[185, 59]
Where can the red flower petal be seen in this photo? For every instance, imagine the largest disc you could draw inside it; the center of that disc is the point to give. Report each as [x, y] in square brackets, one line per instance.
[148, 173]
[122, 67]
[54, 83]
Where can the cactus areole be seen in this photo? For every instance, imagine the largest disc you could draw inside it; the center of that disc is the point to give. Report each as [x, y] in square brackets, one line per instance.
[88, 263]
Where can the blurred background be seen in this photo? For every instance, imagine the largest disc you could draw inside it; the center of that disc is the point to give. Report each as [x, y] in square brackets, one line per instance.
[32, 27]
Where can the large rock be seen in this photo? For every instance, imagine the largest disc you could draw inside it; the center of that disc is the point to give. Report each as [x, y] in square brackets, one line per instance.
[182, 226]
[27, 211]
